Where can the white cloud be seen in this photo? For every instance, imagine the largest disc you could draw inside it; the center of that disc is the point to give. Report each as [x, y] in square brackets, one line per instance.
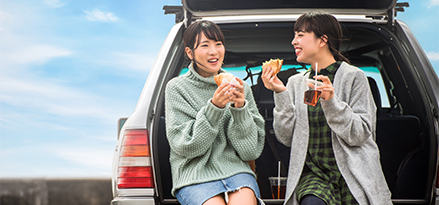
[32, 53]
[21, 86]
[16, 16]
[66, 160]
[24, 85]
[49, 96]
[130, 61]
[58, 127]
[87, 156]
[20, 50]
[98, 15]
[433, 3]
[54, 3]
[433, 56]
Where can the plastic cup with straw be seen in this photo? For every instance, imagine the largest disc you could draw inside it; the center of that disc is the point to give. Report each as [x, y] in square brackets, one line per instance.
[312, 95]
[278, 180]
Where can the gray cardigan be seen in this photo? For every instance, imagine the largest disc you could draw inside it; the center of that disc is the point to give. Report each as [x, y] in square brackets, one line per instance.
[351, 115]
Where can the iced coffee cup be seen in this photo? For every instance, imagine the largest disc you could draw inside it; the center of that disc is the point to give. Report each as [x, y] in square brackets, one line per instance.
[312, 96]
[278, 187]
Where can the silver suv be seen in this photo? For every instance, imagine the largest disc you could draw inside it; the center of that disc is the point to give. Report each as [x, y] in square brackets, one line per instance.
[403, 82]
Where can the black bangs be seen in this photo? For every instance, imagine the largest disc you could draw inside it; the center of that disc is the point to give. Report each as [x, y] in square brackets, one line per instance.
[211, 31]
[306, 22]
[213, 34]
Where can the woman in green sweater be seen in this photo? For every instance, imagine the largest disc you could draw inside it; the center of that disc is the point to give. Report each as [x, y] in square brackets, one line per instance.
[212, 130]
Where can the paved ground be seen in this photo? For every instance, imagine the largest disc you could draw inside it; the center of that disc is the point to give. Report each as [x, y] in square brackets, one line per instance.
[55, 191]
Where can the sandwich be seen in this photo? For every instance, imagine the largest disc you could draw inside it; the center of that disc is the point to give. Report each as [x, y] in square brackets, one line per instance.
[275, 64]
[225, 78]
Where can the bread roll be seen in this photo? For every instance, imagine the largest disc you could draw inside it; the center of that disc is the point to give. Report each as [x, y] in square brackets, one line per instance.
[226, 78]
[275, 64]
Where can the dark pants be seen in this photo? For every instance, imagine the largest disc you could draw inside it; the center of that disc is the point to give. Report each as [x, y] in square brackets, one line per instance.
[311, 200]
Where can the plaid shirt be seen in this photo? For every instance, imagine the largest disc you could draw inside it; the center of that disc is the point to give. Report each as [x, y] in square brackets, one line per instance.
[321, 176]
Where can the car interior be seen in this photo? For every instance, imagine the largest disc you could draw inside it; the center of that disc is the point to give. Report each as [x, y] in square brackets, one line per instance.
[401, 134]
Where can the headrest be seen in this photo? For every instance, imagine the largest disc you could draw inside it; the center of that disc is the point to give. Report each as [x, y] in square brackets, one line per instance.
[375, 93]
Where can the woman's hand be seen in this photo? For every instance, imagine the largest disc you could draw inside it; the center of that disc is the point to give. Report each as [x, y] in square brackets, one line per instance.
[326, 87]
[239, 95]
[227, 92]
[272, 82]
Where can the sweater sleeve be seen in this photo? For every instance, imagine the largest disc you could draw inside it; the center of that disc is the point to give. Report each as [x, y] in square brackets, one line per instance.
[352, 118]
[246, 130]
[190, 132]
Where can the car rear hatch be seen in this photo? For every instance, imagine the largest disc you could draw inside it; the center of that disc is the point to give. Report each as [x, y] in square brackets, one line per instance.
[209, 8]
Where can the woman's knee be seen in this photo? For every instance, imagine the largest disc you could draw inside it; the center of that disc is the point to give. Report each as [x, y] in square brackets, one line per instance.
[216, 200]
[244, 195]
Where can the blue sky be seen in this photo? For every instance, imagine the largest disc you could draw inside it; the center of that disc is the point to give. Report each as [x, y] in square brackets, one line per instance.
[70, 69]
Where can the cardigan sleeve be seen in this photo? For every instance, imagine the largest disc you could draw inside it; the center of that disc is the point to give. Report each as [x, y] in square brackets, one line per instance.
[190, 132]
[284, 114]
[351, 112]
[246, 131]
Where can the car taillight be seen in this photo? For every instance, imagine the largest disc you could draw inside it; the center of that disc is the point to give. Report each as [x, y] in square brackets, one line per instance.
[437, 177]
[437, 174]
[135, 169]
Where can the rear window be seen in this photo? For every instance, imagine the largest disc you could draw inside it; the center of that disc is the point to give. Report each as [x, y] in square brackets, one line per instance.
[251, 76]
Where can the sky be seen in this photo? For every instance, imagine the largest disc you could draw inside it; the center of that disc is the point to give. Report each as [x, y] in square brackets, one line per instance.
[69, 69]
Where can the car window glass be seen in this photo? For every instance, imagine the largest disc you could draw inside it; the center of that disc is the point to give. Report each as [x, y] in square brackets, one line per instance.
[370, 71]
[374, 73]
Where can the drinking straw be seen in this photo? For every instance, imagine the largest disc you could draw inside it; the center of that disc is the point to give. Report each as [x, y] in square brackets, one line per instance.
[315, 79]
[278, 180]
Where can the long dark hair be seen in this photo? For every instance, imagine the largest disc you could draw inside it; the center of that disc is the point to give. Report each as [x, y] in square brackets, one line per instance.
[322, 23]
[192, 35]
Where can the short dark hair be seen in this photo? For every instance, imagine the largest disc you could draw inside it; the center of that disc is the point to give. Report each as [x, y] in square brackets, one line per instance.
[322, 23]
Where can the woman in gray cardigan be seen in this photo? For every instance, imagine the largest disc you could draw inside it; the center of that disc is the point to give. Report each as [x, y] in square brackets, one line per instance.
[334, 157]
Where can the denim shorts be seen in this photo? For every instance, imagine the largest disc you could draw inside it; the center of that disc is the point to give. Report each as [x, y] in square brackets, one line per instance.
[199, 193]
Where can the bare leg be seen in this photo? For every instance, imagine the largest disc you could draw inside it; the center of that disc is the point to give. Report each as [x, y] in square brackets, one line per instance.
[243, 196]
[216, 200]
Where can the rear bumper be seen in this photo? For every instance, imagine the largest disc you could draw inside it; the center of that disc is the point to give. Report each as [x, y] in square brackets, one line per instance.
[133, 201]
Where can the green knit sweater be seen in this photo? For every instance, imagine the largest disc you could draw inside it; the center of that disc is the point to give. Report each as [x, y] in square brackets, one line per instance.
[209, 143]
